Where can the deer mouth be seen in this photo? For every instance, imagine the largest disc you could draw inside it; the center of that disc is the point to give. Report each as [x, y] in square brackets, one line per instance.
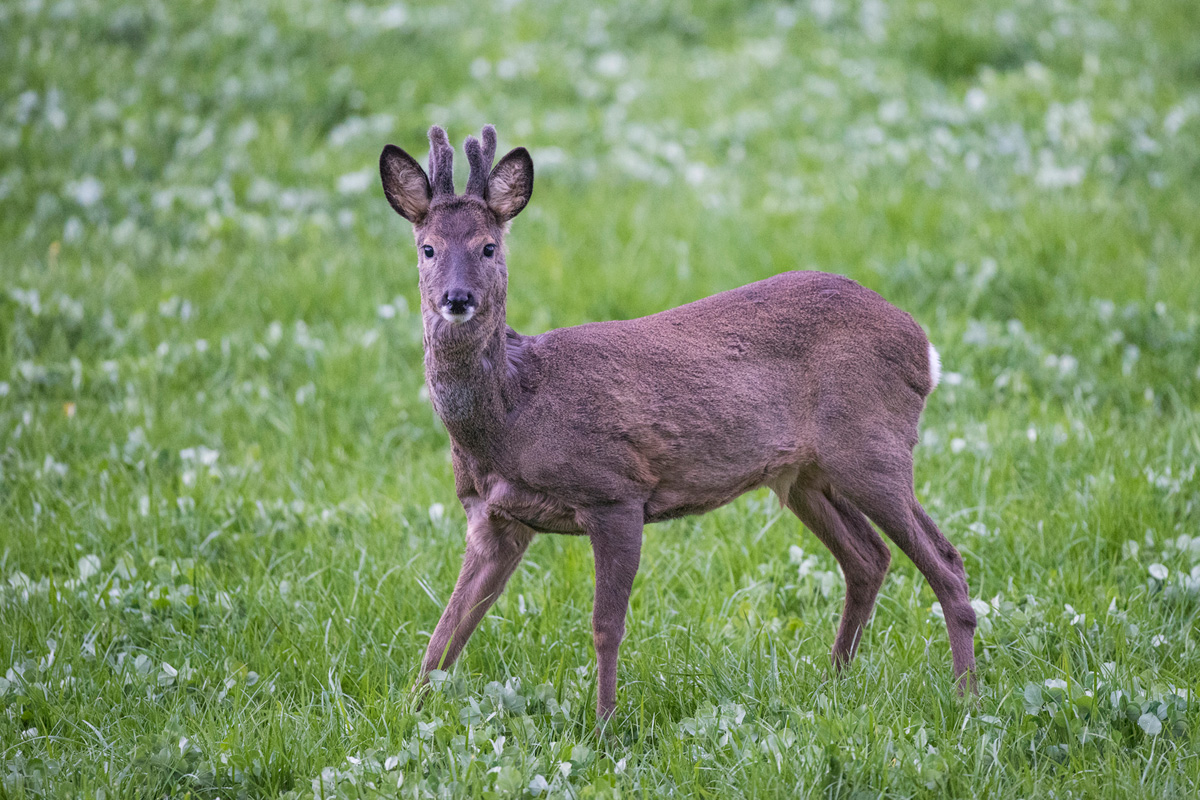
[457, 317]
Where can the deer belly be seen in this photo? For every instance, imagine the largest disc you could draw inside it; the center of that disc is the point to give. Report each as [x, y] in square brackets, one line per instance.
[711, 483]
[683, 501]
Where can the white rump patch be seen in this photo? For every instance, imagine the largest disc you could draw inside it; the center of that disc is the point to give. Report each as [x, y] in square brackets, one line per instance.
[935, 367]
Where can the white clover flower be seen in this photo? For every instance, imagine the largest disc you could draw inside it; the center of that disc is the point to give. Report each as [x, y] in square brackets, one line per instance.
[89, 565]
[354, 182]
[610, 65]
[87, 191]
[201, 454]
[392, 17]
[52, 467]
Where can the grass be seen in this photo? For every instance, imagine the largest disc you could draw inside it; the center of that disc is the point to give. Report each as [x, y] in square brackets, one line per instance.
[227, 521]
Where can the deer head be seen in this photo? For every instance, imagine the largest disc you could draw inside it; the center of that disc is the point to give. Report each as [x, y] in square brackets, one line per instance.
[460, 237]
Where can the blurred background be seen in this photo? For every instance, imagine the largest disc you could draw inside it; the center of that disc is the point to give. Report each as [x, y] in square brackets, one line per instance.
[211, 392]
[1003, 161]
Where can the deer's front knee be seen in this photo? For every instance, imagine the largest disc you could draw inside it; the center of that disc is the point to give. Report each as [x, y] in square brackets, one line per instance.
[962, 617]
[608, 638]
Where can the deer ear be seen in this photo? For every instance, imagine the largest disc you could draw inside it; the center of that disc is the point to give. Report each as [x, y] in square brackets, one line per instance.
[404, 183]
[510, 184]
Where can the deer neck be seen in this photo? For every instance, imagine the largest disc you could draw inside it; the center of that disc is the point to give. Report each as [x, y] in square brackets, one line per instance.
[466, 369]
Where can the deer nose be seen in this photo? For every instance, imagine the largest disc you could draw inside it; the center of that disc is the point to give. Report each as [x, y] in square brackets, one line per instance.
[458, 301]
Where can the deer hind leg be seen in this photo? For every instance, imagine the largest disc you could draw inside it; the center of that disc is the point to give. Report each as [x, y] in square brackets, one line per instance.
[962, 631]
[860, 552]
[881, 488]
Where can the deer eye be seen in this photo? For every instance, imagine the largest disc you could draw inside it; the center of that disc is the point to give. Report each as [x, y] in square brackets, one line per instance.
[489, 250]
[428, 251]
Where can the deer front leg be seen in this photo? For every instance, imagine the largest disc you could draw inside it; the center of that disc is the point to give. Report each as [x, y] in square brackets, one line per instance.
[494, 548]
[617, 545]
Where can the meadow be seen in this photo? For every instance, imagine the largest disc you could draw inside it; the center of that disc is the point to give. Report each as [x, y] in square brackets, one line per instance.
[227, 517]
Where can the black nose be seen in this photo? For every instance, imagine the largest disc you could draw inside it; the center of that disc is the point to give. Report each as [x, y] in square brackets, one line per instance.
[458, 301]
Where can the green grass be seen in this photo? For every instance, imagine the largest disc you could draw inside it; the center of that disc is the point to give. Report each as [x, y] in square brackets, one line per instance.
[227, 520]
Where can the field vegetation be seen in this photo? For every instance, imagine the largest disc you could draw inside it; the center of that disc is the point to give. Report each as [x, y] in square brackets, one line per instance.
[227, 519]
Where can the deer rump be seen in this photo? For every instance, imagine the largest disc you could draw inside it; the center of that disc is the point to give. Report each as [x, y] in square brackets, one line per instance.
[692, 407]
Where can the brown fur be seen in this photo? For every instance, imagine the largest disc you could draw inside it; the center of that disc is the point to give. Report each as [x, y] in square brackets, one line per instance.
[807, 383]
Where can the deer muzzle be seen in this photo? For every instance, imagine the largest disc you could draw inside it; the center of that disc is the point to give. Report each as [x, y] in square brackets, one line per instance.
[458, 306]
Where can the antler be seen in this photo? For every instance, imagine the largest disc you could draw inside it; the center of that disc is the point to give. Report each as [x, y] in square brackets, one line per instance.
[480, 158]
[441, 162]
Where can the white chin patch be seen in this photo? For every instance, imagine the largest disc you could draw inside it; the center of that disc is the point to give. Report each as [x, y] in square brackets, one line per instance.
[457, 319]
[935, 367]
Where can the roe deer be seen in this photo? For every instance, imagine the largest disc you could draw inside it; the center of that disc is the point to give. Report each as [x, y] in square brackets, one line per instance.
[806, 383]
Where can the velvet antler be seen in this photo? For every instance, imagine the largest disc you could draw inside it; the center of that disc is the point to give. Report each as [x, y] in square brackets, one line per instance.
[480, 158]
[441, 162]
